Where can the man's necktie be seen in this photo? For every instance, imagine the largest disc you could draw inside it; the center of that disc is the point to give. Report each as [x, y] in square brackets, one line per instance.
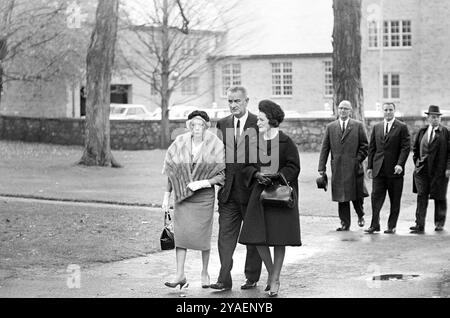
[343, 127]
[387, 130]
[431, 136]
[238, 130]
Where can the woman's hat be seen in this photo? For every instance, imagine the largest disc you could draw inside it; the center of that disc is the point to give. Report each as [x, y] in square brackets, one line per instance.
[322, 182]
[433, 110]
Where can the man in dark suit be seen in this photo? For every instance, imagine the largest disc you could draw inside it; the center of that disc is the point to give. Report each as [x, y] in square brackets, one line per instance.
[235, 131]
[431, 155]
[346, 139]
[388, 150]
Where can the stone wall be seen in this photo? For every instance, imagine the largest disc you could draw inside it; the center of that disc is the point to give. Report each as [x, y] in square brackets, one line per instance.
[144, 135]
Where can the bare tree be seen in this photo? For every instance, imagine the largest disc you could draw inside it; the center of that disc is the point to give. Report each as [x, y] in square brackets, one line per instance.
[347, 55]
[35, 44]
[100, 61]
[171, 45]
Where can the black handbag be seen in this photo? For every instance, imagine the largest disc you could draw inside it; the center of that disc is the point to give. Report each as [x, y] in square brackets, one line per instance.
[167, 238]
[277, 194]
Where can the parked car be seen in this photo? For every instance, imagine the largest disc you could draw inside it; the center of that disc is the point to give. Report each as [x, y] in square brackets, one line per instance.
[129, 111]
[217, 113]
[329, 114]
[175, 112]
[292, 114]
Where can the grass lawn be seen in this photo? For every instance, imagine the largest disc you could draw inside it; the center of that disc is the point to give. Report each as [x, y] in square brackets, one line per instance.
[55, 235]
[52, 236]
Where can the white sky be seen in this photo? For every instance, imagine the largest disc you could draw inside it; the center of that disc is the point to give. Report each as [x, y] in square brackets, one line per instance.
[276, 26]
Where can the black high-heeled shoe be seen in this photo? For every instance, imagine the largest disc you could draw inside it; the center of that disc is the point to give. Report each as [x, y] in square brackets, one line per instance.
[274, 293]
[182, 283]
[206, 282]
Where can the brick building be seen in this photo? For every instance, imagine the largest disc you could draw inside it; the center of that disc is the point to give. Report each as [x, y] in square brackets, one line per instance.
[405, 53]
[404, 59]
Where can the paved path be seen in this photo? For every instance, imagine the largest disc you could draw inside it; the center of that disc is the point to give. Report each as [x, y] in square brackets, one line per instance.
[329, 264]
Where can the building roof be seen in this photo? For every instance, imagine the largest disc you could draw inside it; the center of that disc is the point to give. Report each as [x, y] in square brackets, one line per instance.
[280, 27]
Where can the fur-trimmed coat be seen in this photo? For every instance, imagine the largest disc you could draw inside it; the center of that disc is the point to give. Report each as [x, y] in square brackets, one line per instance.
[181, 168]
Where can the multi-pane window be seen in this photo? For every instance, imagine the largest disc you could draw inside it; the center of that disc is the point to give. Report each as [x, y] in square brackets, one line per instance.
[153, 89]
[231, 76]
[190, 46]
[328, 78]
[282, 79]
[391, 86]
[189, 86]
[373, 34]
[397, 33]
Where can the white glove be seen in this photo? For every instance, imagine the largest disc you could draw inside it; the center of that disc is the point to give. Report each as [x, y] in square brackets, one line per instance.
[196, 185]
[165, 203]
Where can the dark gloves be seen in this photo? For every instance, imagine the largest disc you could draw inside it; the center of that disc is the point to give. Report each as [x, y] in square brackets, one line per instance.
[262, 179]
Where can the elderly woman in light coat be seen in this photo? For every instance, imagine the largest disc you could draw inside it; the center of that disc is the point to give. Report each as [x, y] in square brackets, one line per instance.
[194, 163]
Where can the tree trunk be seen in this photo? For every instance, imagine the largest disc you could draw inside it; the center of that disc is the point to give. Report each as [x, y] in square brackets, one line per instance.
[100, 60]
[3, 51]
[165, 74]
[1, 82]
[347, 55]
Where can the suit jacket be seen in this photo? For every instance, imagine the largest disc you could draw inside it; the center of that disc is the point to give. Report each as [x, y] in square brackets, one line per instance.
[391, 150]
[438, 161]
[348, 151]
[233, 166]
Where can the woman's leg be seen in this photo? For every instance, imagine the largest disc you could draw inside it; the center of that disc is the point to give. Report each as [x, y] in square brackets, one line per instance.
[264, 253]
[205, 263]
[181, 259]
[278, 258]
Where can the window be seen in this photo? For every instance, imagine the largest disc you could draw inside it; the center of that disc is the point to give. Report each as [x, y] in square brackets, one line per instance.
[328, 78]
[373, 34]
[153, 88]
[190, 46]
[391, 86]
[120, 94]
[282, 79]
[396, 33]
[231, 76]
[189, 86]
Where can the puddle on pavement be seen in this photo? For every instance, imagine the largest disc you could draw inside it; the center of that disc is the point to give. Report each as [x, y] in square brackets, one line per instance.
[394, 277]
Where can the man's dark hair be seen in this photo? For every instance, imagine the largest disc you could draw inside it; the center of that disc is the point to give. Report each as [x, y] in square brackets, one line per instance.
[389, 104]
[273, 111]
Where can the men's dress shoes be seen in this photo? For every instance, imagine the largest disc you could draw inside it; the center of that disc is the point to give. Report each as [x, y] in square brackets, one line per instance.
[417, 229]
[439, 228]
[220, 286]
[343, 228]
[361, 222]
[372, 229]
[248, 284]
[390, 231]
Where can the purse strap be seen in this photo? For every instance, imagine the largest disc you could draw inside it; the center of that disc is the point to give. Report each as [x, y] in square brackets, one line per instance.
[284, 179]
[167, 218]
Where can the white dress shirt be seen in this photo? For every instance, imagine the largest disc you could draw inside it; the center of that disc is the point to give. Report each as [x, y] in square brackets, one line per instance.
[242, 122]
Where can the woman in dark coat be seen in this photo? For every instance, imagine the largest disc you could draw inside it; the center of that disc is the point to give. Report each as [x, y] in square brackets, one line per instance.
[266, 226]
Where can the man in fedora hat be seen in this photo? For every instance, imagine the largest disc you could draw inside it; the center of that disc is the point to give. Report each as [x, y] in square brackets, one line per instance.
[346, 139]
[431, 155]
[389, 148]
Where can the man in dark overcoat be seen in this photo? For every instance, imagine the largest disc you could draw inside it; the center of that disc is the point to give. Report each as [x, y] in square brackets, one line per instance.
[235, 131]
[431, 155]
[346, 139]
[389, 149]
